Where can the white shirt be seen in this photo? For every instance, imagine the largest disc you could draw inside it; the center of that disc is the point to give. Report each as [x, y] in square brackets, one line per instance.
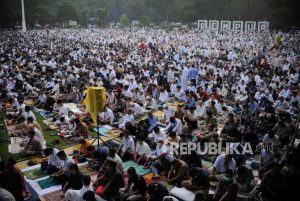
[63, 110]
[118, 160]
[42, 98]
[161, 135]
[170, 112]
[180, 95]
[125, 119]
[66, 164]
[163, 96]
[128, 144]
[54, 160]
[200, 110]
[29, 114]
[143, 149]
[55, 89]
[76, 195]
[39, 135]
[108, 115]
[164, 150]
[285, 93]
[219, 164]
[273, 142]
[137, 109]
[177, 128]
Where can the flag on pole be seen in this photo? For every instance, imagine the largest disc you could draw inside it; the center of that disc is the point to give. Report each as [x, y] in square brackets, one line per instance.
[95, 101]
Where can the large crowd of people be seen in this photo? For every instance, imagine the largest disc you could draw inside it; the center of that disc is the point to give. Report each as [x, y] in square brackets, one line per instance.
[227, 86]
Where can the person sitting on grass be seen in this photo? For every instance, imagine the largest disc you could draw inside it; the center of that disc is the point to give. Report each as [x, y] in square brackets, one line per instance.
[33, 147]
[139, 188]
[81, 129]
[35, 124]
[179, 171]
[54, 163]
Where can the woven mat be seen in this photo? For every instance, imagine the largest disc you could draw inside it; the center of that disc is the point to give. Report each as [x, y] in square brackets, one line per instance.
[84, 169]
[54, 196]
[114, 133]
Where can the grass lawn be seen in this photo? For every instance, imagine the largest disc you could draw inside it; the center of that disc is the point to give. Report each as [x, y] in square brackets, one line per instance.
[49, 137]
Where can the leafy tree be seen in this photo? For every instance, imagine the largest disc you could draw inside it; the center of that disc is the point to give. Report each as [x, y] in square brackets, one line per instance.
[144, 20]
[124, 20]
[66, 11]
[101, 14]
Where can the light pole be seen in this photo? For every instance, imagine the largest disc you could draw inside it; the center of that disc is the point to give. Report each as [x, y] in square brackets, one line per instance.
[23, 17]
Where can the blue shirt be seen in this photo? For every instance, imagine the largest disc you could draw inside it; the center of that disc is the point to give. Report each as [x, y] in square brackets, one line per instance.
[152, 122]
[193, 73]
[191, 102]
[253, 106]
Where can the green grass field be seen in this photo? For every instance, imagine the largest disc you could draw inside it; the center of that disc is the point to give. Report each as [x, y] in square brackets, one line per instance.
[49, 137]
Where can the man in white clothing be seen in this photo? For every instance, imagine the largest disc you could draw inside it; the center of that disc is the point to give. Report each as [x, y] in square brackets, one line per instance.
[142, 151]
[53, 163]
[106, 116]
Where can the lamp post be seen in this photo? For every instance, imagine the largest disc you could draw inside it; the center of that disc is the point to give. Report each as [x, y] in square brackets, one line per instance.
[23, 17]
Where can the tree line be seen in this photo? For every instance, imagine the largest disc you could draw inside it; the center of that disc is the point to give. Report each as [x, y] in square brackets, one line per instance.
[280, 13]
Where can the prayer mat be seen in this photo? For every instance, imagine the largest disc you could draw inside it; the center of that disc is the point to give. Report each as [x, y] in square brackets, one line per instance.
[158, 113]
[54, 196]
[101, 130]
[139, 168]
[47, 183]
[112, 144]
[140, 118]
[35, 174]
[34, 195]
[84, 169]
[114, 133]
[182, 194]
[43, 114]
[14, 146]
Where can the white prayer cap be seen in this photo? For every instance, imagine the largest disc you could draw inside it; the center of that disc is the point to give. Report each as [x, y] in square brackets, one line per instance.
[165, 106]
